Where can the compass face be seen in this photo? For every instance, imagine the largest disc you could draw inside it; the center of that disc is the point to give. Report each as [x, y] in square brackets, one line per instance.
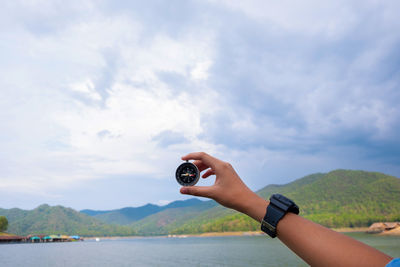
[187, 174]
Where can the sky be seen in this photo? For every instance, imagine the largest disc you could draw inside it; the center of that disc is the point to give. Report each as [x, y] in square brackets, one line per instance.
[100, 99]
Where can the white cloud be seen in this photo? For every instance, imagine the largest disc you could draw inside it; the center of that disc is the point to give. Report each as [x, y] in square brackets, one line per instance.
[135, 115]
[135, 106]
[88, 91]
[200, 71]
[328, 19]
[163, 202]
[86, 88]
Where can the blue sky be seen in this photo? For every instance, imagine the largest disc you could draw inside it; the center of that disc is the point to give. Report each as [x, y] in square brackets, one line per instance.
[100, 99]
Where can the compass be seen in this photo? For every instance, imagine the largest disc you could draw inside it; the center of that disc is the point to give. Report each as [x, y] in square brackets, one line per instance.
[187, 174]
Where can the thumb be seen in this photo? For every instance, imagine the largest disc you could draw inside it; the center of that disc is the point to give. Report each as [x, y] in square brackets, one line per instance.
[201, 191]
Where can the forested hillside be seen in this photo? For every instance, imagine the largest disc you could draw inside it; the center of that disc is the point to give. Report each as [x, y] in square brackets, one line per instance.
[341, 198]
[129, 215]
[58, 220]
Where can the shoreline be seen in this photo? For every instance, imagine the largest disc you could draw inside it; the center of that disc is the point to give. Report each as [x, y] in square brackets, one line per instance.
[210, 234]
[239, 233]
[350, 229]
[395, 232]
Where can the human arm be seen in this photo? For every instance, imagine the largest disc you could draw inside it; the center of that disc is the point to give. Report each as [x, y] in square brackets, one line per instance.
[315, 244]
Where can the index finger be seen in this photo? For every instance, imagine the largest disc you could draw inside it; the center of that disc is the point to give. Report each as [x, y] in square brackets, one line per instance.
[204, 157]
[200, 165]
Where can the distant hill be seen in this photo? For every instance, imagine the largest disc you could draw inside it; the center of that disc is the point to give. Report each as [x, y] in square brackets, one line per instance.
[168, 220]
[341, 198]
[58, 220]
[345, 198]
[129, 215]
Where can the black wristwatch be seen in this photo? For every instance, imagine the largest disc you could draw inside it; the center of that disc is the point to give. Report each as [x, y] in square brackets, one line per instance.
[277, 208]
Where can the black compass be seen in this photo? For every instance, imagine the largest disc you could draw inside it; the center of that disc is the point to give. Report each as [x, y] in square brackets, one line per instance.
[187, 174]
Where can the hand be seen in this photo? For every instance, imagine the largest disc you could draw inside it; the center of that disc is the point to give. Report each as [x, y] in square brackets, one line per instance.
[228, 189]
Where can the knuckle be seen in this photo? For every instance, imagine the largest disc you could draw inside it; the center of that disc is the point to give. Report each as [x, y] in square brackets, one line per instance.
[227, 165]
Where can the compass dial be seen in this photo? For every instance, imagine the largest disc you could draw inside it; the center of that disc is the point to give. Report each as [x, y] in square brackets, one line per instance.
[187, 174]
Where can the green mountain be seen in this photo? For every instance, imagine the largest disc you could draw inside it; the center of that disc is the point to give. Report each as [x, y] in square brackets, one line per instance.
[129, 215]
[59, 220]
[341, 198]
[168, 220]
[345, 198]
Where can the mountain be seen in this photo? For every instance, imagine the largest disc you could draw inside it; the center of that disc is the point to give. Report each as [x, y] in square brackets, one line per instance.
[341, 198]
[168, 220]
[345, 198]
[129, 215]
[59, 220]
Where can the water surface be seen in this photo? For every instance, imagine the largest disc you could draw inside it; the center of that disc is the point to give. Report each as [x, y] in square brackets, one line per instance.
[191, 251]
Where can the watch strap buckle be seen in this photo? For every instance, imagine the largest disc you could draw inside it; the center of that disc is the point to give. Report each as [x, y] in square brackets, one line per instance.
[268, 226]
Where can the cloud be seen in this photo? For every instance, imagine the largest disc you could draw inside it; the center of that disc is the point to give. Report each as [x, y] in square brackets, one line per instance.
[169, 137]
[333, 20]
[163, 202]
[103, 125]
[302, 88]
[120, 91]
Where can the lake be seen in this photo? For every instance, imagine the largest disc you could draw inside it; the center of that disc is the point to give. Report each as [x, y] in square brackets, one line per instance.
[190, 251]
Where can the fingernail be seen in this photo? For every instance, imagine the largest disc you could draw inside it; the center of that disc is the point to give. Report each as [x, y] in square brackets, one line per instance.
[184, 190]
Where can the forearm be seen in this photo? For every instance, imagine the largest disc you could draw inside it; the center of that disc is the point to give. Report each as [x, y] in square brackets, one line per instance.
[254, 206]
[315, 244]
[320, 246]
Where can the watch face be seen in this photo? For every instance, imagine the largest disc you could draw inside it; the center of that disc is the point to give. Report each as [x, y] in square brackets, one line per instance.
[187, 174]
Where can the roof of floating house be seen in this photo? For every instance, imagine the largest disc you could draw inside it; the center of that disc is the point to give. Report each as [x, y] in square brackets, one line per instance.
[384, 225]
[38, 235]
[377, 225]
[392, 224]
[34, 238]
[75, 236]
[5, 236]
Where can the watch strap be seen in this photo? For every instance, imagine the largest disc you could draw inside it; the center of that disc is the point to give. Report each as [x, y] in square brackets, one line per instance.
[277, 208]
[269, 223]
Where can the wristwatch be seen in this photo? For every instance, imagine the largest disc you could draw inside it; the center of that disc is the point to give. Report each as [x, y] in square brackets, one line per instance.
[277, 208]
